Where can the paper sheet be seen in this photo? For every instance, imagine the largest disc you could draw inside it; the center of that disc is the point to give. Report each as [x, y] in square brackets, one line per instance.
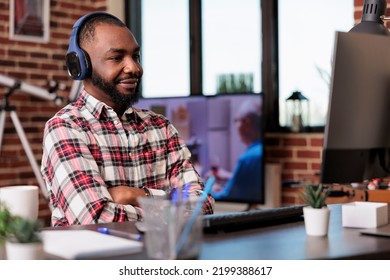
[87, 244]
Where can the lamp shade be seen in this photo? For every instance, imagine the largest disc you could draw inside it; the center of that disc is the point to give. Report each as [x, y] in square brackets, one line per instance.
[372, 18]
[297, 95]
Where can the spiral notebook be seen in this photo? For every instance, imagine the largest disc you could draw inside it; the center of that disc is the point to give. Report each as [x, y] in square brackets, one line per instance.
[87, 244]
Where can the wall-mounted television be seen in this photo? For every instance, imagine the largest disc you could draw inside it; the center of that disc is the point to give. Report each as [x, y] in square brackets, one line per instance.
[210, 127]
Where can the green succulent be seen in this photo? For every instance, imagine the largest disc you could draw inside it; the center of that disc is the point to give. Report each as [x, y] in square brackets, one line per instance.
[6, 220]
[315, 196]
[25, 231]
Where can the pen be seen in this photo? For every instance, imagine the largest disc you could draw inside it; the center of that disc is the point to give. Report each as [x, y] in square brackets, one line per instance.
[180, 195]
[119, 233]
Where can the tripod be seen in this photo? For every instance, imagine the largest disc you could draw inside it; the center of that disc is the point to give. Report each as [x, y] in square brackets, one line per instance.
[7, 108]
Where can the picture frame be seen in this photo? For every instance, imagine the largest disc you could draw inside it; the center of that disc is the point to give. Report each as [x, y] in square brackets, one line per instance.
[29, 20]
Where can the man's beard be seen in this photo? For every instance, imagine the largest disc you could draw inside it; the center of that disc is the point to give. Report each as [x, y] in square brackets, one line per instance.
[116, 96]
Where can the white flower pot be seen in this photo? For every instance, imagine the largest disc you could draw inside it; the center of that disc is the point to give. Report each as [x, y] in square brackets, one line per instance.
[316, 221]
[24, 251]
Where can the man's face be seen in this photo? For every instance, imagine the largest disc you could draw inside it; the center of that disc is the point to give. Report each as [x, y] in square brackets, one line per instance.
[243, 128]
[116, 68]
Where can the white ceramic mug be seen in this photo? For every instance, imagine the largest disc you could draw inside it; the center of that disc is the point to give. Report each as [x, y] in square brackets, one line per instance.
[21, 200]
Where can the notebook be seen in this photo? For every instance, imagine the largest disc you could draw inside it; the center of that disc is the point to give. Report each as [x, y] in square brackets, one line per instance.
[87, 244]
[379, 231]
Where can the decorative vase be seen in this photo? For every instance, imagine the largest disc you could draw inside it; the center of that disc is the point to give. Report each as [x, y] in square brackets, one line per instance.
[24, 251]
[316, 220]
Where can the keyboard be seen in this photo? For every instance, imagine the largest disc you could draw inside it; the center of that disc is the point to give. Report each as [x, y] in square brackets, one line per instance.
[235, 221]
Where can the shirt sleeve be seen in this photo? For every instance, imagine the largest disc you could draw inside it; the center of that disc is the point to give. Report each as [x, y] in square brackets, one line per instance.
[229, 184]
[77, 192]
[181, 170]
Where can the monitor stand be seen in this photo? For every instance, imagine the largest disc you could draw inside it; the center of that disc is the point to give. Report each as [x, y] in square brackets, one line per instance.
[252, 206]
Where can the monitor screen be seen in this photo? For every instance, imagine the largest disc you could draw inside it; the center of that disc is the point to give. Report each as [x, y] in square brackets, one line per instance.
[357, 132]
[225, 136]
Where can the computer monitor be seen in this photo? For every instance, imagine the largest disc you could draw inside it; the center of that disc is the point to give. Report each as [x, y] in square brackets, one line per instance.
[357, 133]
[209, 126]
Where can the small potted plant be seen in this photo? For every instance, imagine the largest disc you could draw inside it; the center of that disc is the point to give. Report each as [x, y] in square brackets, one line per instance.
[5, 228]
[316, 214]
[24, 241]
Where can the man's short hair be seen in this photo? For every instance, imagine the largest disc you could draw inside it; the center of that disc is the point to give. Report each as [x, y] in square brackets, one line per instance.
[252, 110]
[87, 31]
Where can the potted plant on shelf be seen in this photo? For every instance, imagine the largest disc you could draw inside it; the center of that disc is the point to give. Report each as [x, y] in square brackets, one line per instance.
[24, 241]
[5, 229]
[316, 214]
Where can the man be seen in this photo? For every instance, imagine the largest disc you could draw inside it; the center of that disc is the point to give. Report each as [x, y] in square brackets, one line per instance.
[100, 153]
[242, 184]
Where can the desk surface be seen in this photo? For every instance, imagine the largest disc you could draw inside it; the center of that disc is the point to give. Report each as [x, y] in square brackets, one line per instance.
[281, 242]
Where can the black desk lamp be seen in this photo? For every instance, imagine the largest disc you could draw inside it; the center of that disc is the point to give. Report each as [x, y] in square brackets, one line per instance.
[373, 16]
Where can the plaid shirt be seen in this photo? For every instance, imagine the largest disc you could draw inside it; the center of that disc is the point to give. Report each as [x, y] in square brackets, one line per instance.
[87, 150]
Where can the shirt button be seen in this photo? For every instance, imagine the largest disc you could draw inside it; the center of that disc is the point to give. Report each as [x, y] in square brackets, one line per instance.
[115, 122]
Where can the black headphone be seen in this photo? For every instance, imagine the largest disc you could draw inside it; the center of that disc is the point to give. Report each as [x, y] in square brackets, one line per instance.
[77, 60]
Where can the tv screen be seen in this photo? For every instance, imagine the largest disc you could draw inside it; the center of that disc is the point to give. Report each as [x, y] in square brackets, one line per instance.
[357, 132]
[225, 136]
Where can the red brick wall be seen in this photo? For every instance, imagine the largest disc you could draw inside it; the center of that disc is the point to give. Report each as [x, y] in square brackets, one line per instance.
[36, 63]
[298, 153]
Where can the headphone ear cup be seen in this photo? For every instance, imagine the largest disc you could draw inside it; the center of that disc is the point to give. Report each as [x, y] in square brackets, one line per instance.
[87, 65]
[78, 63]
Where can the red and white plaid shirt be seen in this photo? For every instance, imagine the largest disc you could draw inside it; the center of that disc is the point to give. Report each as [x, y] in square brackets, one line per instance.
[88, 149]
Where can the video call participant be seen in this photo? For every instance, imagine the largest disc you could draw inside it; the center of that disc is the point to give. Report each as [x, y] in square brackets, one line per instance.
[244, 183]
[100, 153]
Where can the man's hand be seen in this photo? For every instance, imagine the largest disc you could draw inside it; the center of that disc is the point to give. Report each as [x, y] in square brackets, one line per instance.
[126, 195]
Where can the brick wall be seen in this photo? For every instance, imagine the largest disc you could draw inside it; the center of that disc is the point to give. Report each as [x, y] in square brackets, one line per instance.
[36, 63]
[298, 153]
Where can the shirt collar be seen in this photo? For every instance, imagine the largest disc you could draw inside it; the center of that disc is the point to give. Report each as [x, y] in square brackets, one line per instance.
[93, 105]
[98, 108]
